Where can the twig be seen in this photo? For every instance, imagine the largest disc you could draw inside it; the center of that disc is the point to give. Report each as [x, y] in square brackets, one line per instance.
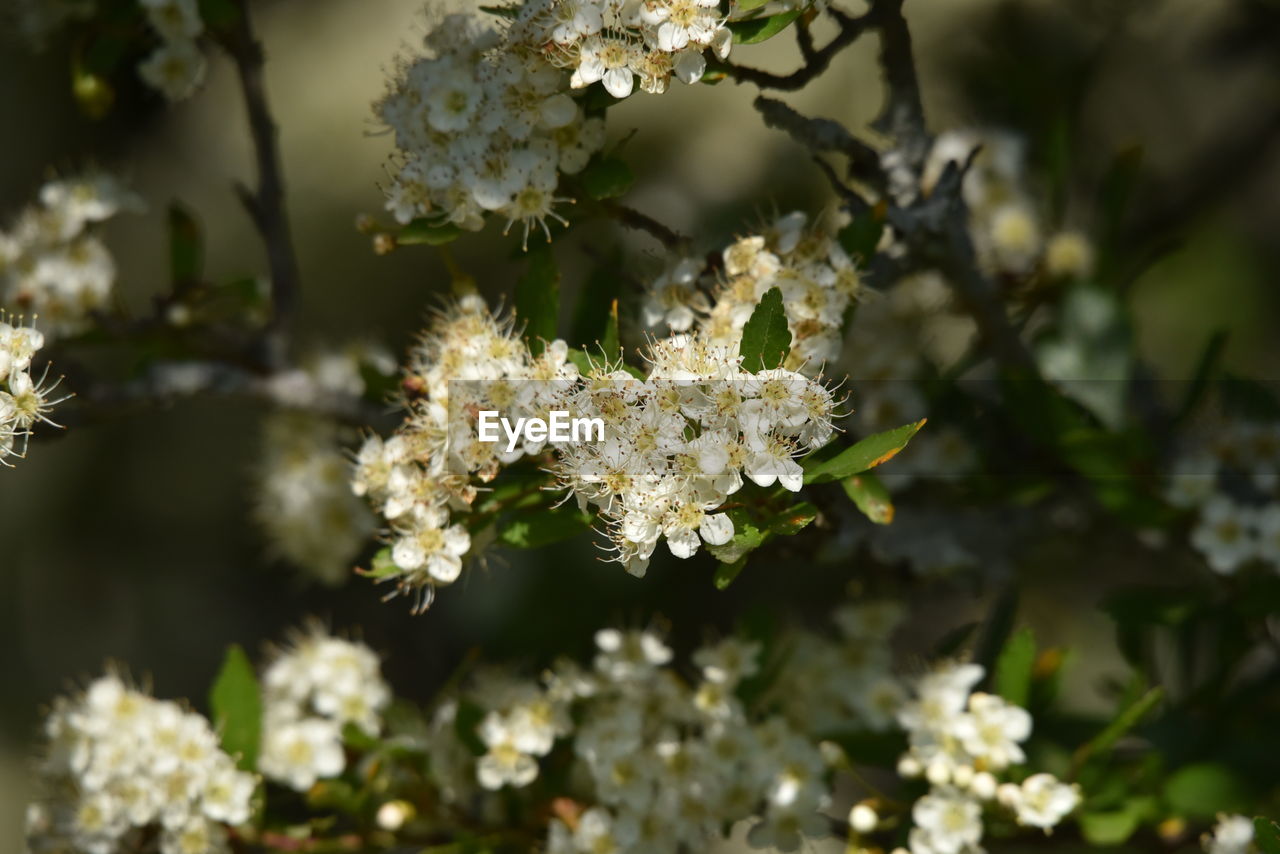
[816, 61]
[266, 206]
[632, 218]
[167, 383]
[825, 135]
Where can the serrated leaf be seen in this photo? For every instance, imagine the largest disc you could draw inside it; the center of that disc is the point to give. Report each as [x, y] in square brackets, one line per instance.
[1014, 668]
[186, 248]
[426, 233]
[606, 178]
[864, 455]
[235, 703]
[870, 496]
[537, 298]
[758, 30]
[766, 338]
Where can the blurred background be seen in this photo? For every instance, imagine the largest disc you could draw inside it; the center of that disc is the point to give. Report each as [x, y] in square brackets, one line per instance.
[132, 540]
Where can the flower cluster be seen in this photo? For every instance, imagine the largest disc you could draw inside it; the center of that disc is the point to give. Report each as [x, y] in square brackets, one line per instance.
[680, 442]
[305, 506]
[24, 401]
[620, 42]
[1232, 483]
[51, 264]
[481, 128]
[658, 763]
[176, 68]
[960, 741]
[675, 444]
[818, 280]
[646, 744]
[1004, 221]
[122, 766]
[309, 693]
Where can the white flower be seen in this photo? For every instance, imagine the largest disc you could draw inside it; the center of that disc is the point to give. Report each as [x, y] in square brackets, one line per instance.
[174, 20]
[176, 69]
[992, 730]
[1233, 834]
[1224, 534]
[609, 59]
[297, 753]
[1043, 801]
[946, 822]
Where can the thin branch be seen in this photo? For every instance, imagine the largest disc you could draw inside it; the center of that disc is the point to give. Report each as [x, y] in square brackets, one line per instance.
[266, 206]
[167, 383]
[634, 219]
[816, 61]
[825, 135]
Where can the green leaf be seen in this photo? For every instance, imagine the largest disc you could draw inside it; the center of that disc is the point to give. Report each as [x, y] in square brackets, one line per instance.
[1266, 834]
[1014, 667]
[1112, 827]
[766, 337]
[466, 723]
[862, 235]
[864, 455]
[747, 537]
[606, 178]
[1206, 367]
[758, 30]
[186, 248]
[997, 628]
[537, 298]
[792, 520]
[609, 344]
[870, 496]
[1204, 789]
[1118, 185]
[591, 311]
[236, 706]
[748, 5]
[544, 527]
[727, 572]
[382, 566]
[1125, 721]
[427, 233]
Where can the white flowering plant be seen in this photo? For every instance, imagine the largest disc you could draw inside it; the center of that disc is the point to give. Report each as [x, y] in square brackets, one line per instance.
[874, 436]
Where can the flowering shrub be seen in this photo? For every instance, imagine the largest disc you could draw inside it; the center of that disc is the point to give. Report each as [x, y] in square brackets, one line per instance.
[926, 383]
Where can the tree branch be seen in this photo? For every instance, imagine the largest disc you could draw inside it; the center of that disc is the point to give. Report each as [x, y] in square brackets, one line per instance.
[266, 206]
[903, 115]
